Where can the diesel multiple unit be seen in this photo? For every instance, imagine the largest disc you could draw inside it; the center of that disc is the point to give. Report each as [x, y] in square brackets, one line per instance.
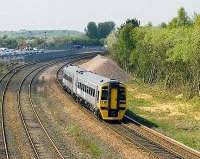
[103, 96]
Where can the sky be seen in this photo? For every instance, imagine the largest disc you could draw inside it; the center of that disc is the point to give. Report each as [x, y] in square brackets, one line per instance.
[75, 14]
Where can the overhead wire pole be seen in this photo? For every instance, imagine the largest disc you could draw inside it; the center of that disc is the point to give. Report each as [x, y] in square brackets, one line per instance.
[45, 43]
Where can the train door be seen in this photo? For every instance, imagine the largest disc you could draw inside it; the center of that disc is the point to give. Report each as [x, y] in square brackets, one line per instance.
[113, 105]
[113, 98]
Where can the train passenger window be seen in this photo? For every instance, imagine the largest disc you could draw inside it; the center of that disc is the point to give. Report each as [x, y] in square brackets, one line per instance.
[93, 92]
[78, 84]
[84, 88]
[97, 96]
[104, 95]
[122, 93]
[89, 91]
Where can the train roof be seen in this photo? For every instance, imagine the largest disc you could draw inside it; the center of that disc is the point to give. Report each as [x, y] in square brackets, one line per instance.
[87, 75]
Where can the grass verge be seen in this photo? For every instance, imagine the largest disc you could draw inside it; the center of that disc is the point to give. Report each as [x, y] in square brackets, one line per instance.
[170, 113]
[84, 140]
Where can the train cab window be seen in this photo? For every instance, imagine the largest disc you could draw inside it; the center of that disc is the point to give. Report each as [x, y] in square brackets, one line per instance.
[122, 93]
[104, 95]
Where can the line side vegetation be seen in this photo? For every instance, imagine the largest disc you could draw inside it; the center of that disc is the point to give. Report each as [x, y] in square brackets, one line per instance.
[168, 54]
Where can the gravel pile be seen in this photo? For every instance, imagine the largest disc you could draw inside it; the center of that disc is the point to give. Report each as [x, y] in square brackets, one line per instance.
[106, 67]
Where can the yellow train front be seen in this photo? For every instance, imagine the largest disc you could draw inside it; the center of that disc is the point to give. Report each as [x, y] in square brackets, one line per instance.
[105, 97]
[112, 103]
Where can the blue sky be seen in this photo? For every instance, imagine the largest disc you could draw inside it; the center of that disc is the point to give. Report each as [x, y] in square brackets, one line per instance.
[74, 14]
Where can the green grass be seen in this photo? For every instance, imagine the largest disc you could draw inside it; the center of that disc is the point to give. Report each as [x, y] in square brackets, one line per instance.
[85, 141]
[139, 102]
[74, 130]
[178, 121]
[95, 150]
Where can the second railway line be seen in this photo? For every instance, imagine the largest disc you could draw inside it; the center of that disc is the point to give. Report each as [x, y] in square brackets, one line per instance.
[15, 97]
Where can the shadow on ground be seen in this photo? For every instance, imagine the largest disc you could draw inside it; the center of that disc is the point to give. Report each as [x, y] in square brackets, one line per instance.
[139, 119]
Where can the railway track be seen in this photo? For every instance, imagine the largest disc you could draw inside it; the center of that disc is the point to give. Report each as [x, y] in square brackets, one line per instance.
[35, 130]
[29, 117]
[149, 140]
[171, 145]
[3, 141]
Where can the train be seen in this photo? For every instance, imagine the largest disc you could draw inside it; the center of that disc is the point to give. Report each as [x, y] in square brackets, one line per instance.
[106, 98]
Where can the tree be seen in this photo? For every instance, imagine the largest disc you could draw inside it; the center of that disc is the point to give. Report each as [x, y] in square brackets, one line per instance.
[133, 22]
[112, 42]
[149, 24]
[169, 54]
[181, 20]
[92, 30]
[104, 29]
[197, 20]
[163, 25]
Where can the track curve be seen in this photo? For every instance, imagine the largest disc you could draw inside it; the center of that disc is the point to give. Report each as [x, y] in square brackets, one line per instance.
[9, 81]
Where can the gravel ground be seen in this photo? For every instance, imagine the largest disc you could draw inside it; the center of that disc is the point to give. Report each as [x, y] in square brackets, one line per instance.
[107, 67]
